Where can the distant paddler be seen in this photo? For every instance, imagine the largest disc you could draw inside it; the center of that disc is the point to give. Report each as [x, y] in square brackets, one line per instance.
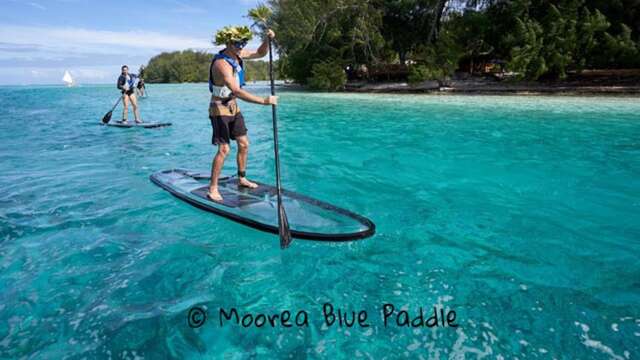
[127, 85]
[141, 88]
[226, 79]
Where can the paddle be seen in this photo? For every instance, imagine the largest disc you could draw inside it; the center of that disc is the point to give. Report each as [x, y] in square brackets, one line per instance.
[283, 223]
[107, 117]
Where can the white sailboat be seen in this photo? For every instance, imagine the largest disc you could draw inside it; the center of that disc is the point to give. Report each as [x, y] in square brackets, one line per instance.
[68, 80]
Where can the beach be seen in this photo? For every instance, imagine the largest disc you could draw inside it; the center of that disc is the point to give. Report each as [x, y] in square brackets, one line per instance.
[585, 83]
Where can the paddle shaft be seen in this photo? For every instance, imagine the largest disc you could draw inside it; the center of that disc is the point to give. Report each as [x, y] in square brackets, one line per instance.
[117, 102]
[282, 220]
[275, 123]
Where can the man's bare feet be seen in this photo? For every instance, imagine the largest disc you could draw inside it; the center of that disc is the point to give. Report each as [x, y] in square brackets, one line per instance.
[138, 121]
[246, 183]
[214, 195]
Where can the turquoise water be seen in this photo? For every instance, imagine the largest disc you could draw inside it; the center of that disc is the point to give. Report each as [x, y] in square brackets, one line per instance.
[521, 214]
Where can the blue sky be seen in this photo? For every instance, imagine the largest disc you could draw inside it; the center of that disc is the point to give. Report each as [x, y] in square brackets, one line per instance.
[40, 39]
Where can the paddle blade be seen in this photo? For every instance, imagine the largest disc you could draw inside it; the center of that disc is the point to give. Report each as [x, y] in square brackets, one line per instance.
[285, 234]
[107, 117]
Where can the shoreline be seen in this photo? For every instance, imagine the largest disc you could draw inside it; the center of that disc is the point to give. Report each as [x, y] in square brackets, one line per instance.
[464, 87]
[456, 87]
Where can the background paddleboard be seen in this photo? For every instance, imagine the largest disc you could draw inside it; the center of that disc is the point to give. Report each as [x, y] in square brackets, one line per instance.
[308, 218]
[133, 124]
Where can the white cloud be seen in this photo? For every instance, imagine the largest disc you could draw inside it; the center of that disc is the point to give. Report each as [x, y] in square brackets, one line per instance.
[30, 3]
[41, 54]
[64, 42]
[37, 6]
[185, 8]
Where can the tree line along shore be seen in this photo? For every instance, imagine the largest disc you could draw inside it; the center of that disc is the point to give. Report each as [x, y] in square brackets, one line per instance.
[193, 66]
[442, 45]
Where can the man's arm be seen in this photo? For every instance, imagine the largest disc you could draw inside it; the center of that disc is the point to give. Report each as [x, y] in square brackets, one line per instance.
[255, 54]
[230, 81]
[262, 50]
[121, 82]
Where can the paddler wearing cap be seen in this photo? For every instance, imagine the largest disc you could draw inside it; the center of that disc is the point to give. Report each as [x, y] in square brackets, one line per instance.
[226, 79]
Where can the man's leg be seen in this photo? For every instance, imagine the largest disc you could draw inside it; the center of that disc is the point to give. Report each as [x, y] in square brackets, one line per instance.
[243, 152]
[136, 112]
[125, 107]
[216, 168]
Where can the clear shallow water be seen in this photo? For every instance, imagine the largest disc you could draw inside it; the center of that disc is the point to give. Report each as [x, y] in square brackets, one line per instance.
[520, 213]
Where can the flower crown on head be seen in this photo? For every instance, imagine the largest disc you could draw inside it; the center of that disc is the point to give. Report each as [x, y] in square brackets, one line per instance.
[233, 33]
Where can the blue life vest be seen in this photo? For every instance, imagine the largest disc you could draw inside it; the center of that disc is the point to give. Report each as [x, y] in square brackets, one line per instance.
[123, 79]
[132, 81]
[238, 69]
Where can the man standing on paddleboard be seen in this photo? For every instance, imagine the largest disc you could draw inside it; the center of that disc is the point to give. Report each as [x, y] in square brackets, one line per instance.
[226, 79]
[126, 84]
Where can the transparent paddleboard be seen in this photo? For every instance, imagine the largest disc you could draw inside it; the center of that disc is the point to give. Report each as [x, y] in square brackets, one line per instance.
[308, 218]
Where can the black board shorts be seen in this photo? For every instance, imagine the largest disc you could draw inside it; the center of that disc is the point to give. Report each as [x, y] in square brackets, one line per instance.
[227, 121]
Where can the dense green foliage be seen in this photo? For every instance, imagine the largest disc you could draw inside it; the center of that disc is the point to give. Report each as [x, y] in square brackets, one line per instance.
[258, 70]
[534, 38]
[431, 39]
[421, 73]
[567, 36]
[192, 66]
[312, 32]
[327, 75]
[178, 66]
